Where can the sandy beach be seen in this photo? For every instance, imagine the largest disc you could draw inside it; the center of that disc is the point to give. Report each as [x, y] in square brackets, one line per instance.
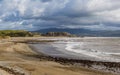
[18, 58]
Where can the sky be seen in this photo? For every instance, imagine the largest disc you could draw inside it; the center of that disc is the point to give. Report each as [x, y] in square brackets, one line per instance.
[42, 14]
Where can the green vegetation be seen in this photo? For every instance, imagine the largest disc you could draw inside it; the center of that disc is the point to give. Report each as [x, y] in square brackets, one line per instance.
[22, 33]
[15, 33]
[54, 34]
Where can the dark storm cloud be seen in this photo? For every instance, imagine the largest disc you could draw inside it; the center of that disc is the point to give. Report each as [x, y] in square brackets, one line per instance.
[38, 14]
[46, 0]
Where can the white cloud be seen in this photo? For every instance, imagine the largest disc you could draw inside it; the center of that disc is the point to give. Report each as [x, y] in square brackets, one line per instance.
[103, 5]
[28, 14]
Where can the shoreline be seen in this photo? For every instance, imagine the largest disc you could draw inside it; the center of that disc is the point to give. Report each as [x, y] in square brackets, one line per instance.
[22, 58]
[112, 67]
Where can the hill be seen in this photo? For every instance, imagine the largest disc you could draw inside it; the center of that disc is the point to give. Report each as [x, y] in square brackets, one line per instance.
[83, 32]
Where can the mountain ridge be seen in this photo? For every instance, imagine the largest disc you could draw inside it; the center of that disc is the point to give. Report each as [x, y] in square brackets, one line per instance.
[82, 32]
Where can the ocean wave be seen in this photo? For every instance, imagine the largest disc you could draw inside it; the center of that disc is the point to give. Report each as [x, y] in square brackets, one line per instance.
[79, 48]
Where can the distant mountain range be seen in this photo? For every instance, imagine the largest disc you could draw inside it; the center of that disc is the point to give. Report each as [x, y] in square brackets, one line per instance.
[83, 32]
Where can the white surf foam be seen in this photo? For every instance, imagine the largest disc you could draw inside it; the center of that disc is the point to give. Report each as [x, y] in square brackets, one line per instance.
[77, 47]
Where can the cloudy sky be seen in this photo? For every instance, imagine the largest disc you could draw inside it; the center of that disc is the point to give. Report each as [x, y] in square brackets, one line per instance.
[41, 14]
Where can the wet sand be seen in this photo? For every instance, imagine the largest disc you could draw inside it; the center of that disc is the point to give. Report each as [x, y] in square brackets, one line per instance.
[56, 50]
[96, 49]
[76, 60]
[20, 59]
